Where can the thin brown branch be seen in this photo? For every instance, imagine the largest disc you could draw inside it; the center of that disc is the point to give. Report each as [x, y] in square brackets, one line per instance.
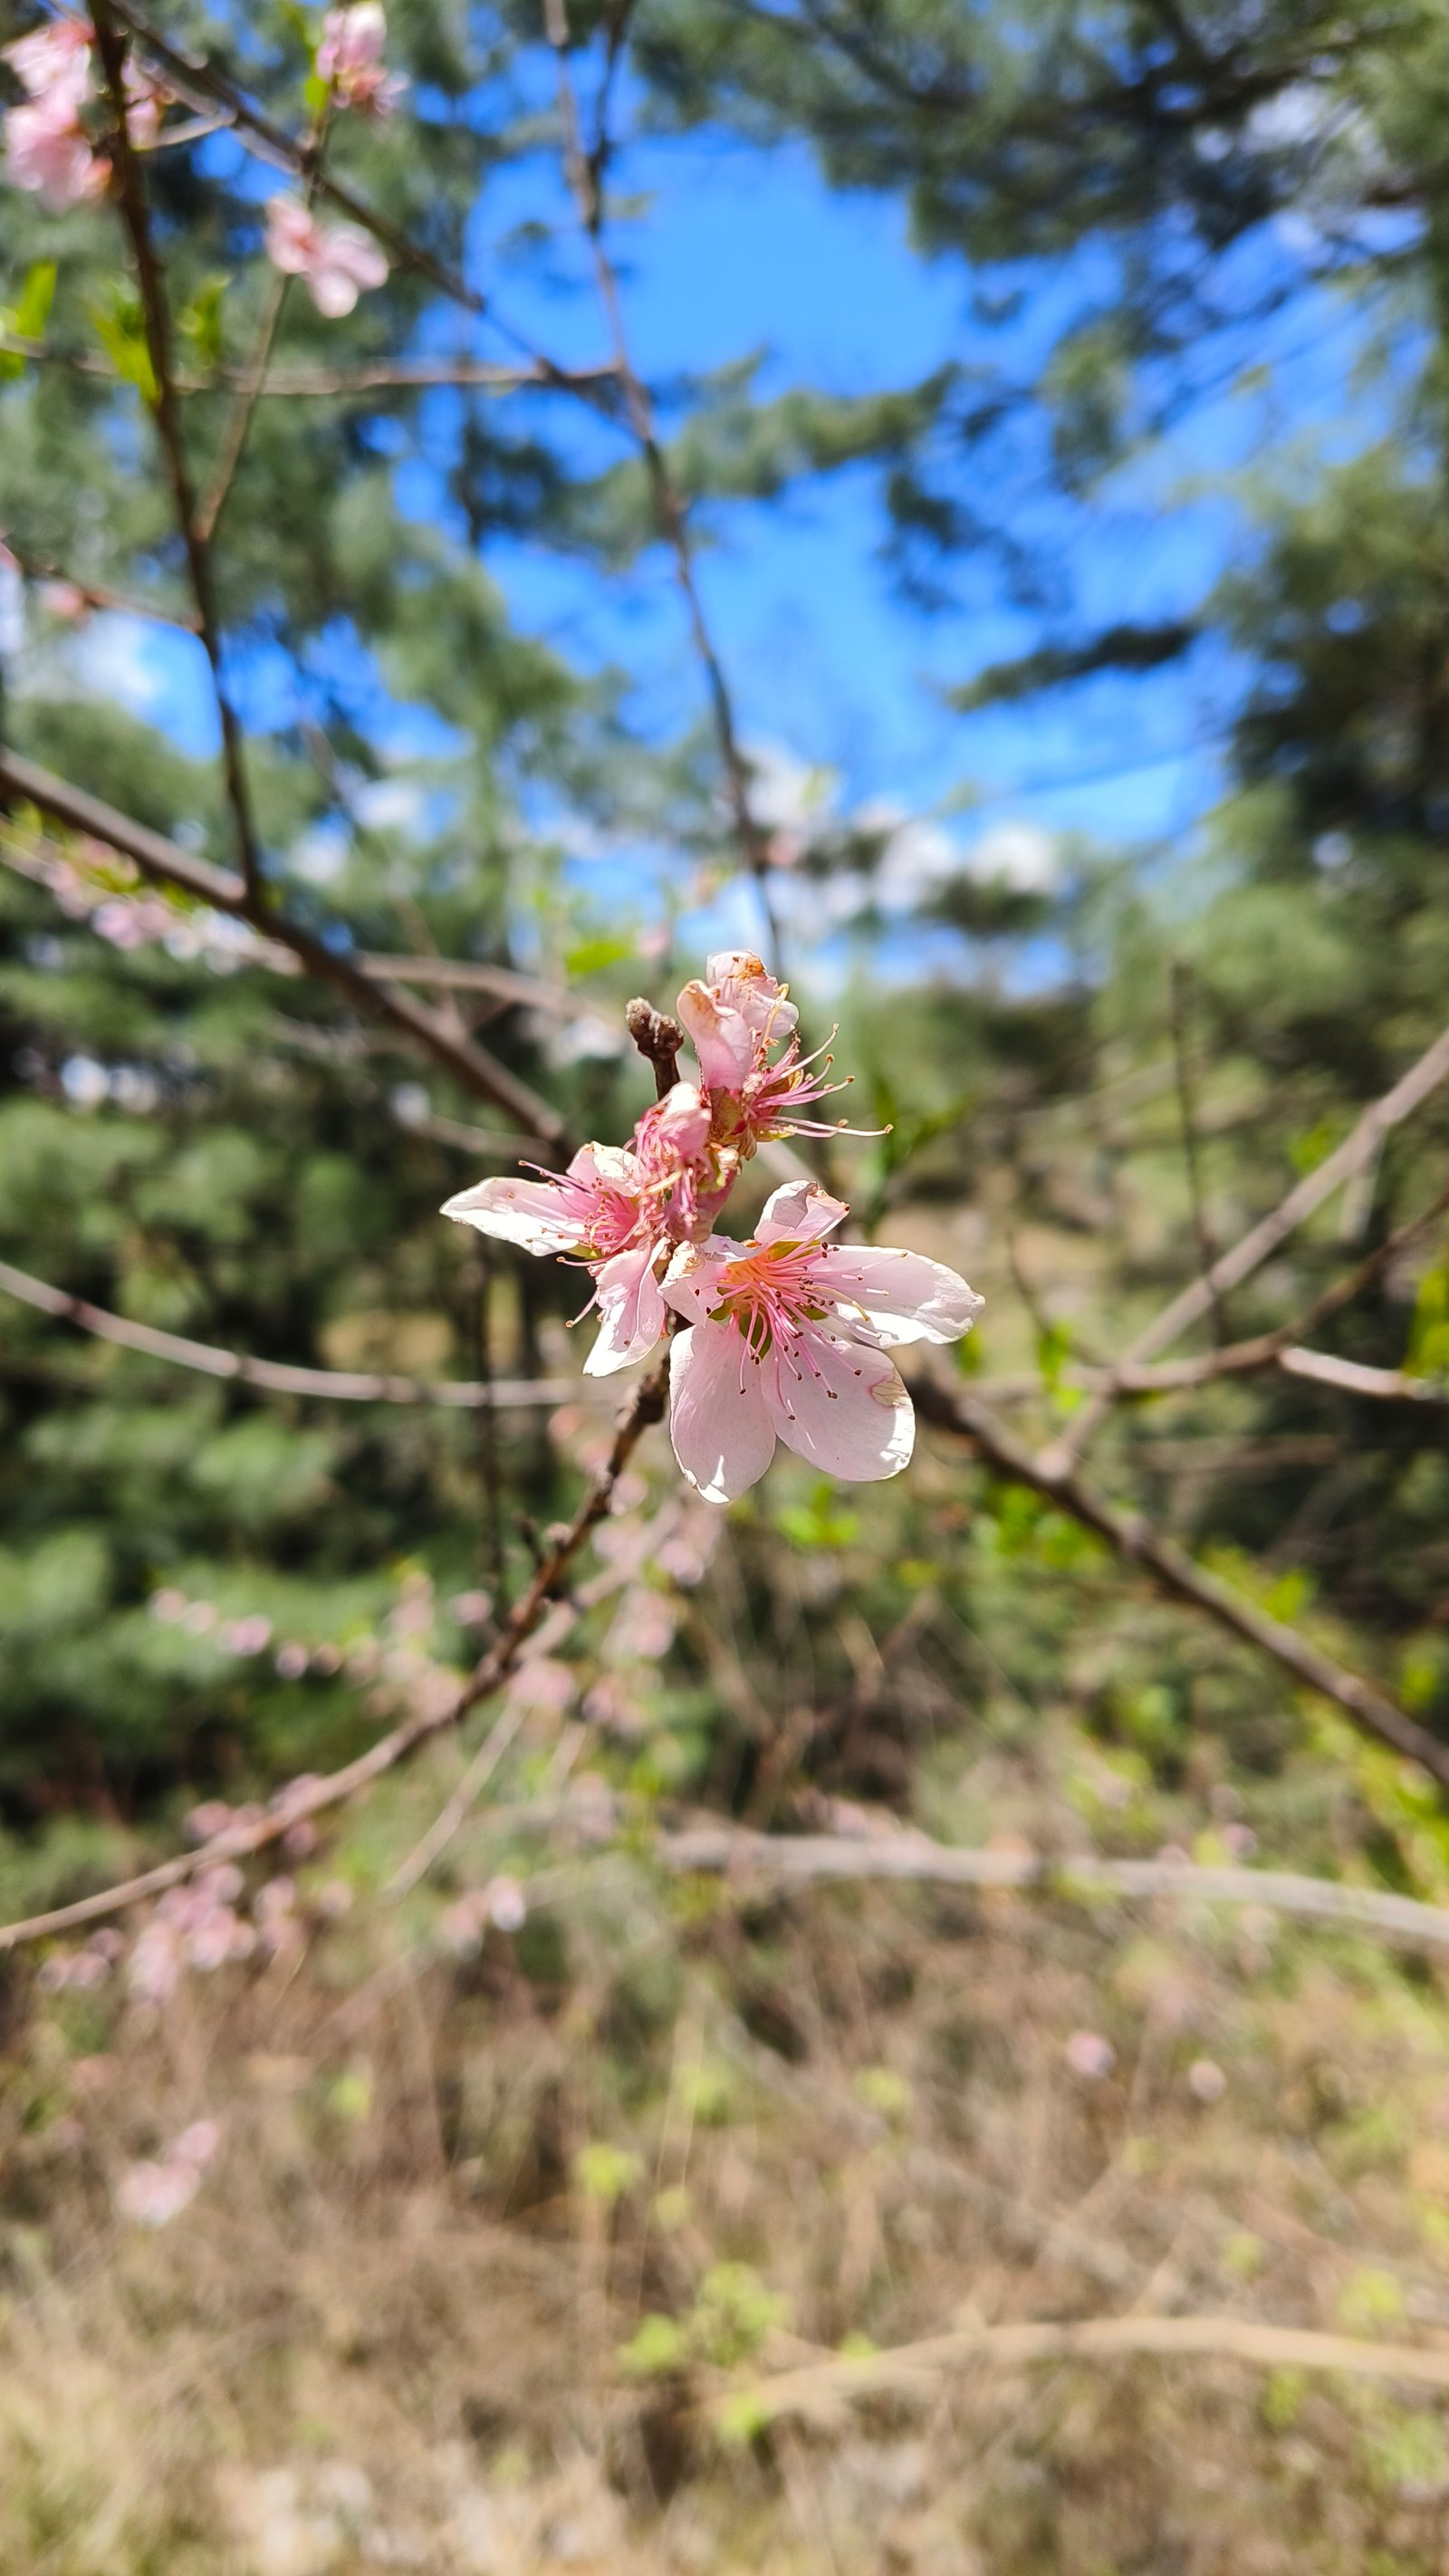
[806, 1860]
[1386, 1386]
[420, 374]
[1188, 1122]
[453, 1815]
[234, 443]
[669, 508]
[96, 595]
[1262, 1240]
[824, 2384]
[277, 1377]
[1131, 1536]
[310, 384]
[1263, 1350]
[469, 1063]
[307, 1798]
[111, 47]
[460, 974]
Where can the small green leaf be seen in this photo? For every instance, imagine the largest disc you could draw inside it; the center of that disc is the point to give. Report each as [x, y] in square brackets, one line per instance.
[200, 324]
[592, 955]
[36, 298]
[604, 2172]
[119, 330]
[658, 2346]
[743, 2416]
[316, 94]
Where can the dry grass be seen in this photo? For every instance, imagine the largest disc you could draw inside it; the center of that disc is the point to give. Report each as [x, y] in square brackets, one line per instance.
[389, 2329]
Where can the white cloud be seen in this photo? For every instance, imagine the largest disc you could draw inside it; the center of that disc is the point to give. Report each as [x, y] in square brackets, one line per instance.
[113, 657]
[392, 805]
[786, 794]
[1023, 857]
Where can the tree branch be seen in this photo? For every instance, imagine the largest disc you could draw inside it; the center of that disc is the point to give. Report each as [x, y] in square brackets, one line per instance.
[469, 1063]
[805, 1860]
[276, 1377]
[1265, 2347]
[1371, 1710]
[110, 45]
[1262, 1240]
[307, 1798]
[320, 383]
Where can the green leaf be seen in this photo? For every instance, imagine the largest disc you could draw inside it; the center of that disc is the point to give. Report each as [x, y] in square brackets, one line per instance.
[316, 94]
[36, 298]
[605, 2172]
[658, 2346]
[200, 324]
[591, 956]
[121, 334]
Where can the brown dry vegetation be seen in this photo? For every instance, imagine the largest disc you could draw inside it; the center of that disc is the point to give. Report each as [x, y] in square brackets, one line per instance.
[407, 2320]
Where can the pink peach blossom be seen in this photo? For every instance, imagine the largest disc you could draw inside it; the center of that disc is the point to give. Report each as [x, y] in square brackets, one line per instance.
[338, 260]
[618, 1210]
[49, 152]
[788, 1338]
[350, 58]
[52, 60]
[736, 1014]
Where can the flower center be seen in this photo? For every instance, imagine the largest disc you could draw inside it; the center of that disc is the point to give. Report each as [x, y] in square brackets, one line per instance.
[770, 1291]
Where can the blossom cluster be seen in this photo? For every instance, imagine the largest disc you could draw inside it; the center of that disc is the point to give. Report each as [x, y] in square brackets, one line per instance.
[51, 150]
[784, 1337]
[48, 147]
[338, 260]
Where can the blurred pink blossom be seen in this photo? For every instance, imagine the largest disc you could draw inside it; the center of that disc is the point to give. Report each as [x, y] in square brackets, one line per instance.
[153, 2194]
[350, 57]
[198, 2144]
[504, 1899]
[1089, 2055]
[338, 260]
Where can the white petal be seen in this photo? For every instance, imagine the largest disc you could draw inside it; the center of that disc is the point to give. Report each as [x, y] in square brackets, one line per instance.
[534, 1214]
[907, 1297]
[722, 1433]
[631, 1311]
[799, 1212]
[842, 1406]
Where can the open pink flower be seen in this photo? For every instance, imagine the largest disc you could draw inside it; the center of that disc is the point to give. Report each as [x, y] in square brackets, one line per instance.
[620, 1210]
[338, 260]
[788, 1339]
[350, 58]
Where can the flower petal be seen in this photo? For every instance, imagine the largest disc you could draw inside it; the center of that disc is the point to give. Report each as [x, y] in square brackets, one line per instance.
[722, 1433]
[907, 1297]
[631, 1310]
[799, 1212]
[691, 1283]
[723, 1042]
[536, 1214]
[842, 1406]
